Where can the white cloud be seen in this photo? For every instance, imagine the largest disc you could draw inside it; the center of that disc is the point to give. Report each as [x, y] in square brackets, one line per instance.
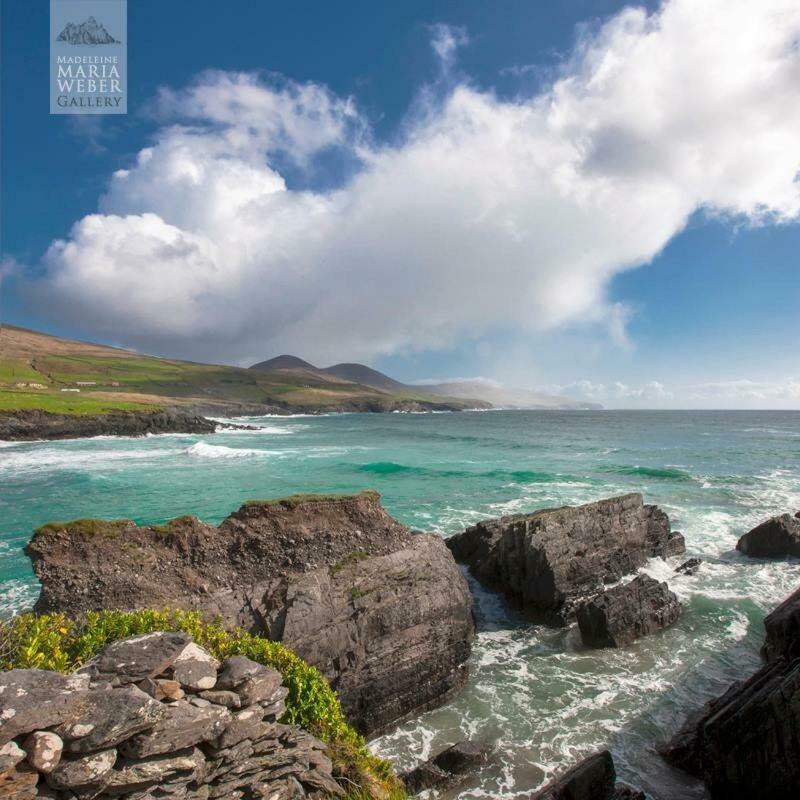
[490, 213]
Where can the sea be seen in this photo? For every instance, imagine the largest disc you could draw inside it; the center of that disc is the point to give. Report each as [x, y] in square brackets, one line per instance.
[535, 695]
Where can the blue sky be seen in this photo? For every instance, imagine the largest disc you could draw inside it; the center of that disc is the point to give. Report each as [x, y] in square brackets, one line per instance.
[391, 209]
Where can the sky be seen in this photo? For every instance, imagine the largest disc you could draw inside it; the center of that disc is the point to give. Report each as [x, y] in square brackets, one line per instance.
[584, 197]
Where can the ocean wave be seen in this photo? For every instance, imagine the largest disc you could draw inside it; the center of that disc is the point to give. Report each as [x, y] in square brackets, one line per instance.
[53, 459]
[205, 450]
[662, 473]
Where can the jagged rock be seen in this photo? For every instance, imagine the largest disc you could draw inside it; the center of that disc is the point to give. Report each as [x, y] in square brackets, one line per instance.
[385, 614]
[592, 779]
[246, 724]
[131, 776]
[33, 698]
[553, 560]
[138, 657]
[446, 769]
[622, 614]
[783, 630]
[690, 566]
[84, 775]
[44, 749]
[19, 783]
[10, 755]
[107, 716]
[162, 689]
[195, 669]
[236, 670]
[778, 537]
[183, 725]
[222, 697]
[624, 792]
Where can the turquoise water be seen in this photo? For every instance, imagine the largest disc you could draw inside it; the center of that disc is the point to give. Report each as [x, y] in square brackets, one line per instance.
[534, 693]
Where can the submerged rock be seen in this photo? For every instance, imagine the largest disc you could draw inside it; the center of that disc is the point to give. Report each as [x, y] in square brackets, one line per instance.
[622, 614]
[385, 614]
[746, 743]
[594, 778]
[553, 560]
[778, 537]
[690, 566]
[446, 769]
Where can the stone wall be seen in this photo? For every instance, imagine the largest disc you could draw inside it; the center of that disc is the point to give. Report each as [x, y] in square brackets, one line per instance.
[155, 716]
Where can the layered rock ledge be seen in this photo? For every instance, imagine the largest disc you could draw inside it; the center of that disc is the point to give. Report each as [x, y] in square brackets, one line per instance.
[552, 561]
[746, 743]
[30, 425]
[384, 613]
[155, 716]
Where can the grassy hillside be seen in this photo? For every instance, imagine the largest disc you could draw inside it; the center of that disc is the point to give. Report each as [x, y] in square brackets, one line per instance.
[36, 369]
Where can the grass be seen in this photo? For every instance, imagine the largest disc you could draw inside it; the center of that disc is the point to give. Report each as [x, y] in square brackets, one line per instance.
[349, 560]
[296, 499]
[87, 527]
[55, 642]
[70, 403]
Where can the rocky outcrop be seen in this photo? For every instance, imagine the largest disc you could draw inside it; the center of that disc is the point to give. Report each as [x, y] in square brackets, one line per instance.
[746, 743]
[689, 567]
[552, 561]
[622, 614]
[384, 613]
[102, 733]
[446, 769]
[594, 778]
[778, 537]
[33, 424]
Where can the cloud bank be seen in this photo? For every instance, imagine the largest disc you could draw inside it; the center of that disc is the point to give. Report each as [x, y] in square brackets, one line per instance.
[489, 213]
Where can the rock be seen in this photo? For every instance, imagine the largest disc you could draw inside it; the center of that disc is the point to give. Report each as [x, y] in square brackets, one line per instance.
[138, 657]
[44, 750]
[133, 776]
[162, 689]
[624, 792]
[592, 779]
[222, 697]
[236, 670]
[87, 774]
[246, 724]
[10, 755]
[385, 614]
[19, 783]
[446, 769]
[33, 698]
[195, 669]
[622, 614]
[183, 725]
[689, 567]
[778, 537]
[106, 717]
[783, 630]
[553, 560]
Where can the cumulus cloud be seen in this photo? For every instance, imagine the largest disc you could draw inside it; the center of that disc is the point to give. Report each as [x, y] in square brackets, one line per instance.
[489, 213]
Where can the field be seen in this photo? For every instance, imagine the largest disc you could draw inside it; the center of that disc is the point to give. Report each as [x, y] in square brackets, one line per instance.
[109, 378]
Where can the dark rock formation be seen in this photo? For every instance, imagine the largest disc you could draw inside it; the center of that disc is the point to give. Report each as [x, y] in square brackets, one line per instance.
[89, 32]
[778, 537]
[690, 566]
[624, 613]
[30, 425]
[384, 613]
[594, 778]
[746, 744]
[189, 749]
[446, 769]
[553, 560]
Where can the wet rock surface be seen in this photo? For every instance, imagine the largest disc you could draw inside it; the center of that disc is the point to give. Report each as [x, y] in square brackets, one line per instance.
[619, 616]
[746, 743]
[447, 769]
[552, 561]
[121, 742]
[384, 613]
[594, 778]
[777, 537]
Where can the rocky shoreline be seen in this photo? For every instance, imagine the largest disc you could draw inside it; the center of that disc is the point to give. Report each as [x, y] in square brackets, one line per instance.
[386, 615]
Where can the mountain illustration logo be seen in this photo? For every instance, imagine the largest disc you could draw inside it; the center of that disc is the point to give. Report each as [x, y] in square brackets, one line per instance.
[89, 32]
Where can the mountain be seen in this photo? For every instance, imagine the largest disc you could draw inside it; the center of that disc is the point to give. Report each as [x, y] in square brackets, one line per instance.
[89, 32]
[501, 397]
[479, 393]
[39, 372]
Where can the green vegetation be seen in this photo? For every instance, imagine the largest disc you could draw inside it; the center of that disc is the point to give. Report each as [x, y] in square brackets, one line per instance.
[65, 403]
[295, 499]
[174, 524]
[88, 527]
[357, 592]
[52, 641]
[348, 561]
